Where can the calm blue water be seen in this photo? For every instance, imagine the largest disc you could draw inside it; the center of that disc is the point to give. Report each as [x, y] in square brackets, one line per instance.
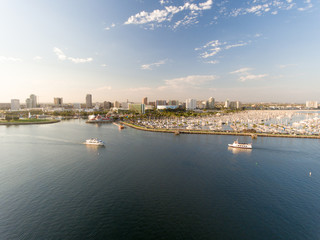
[145, 185]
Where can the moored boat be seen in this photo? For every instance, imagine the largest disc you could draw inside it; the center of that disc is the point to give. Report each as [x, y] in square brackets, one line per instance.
[236, 144]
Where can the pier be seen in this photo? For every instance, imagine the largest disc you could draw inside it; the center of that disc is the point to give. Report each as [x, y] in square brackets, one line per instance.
[120, 126]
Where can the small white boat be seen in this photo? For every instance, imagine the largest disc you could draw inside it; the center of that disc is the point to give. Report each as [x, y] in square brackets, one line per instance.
[236, 144]
[94, 141]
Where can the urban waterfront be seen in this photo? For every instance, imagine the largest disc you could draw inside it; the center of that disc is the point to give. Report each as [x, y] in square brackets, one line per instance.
[146, 185]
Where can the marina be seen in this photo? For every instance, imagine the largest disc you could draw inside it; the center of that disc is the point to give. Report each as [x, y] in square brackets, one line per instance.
[255, 123]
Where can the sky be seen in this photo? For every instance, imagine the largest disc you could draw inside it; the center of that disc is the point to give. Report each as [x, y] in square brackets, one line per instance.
[250, 51]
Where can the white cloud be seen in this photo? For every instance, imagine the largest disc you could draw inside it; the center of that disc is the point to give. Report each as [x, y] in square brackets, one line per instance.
[214, 47]
[252, 77]
[151, 65]
[10, 59]
[111, 26]
[245, 74]
[80, 60]
[163, 2]
[307, 6]
[104, 65]
[61, 56]
[167, 14]
[213, 62]
[241, 70]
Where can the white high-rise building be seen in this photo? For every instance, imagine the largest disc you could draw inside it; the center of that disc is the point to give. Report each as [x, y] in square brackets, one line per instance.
[191, 104]
[311, 104]
[33, 100]
[227, 103]
[211, 103]
[15, 104]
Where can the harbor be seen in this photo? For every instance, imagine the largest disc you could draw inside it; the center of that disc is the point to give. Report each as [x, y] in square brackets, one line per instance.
[247, 123]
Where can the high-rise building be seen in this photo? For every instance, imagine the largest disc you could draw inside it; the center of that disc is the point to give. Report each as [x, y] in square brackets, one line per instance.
[235, 105]
[210, 103]
[15, 104]
[116, 104]
[227, 103]
[28, 103]
[89, 101]
[145, 101]
[58, 102]
[311, 104]
[33, 99]
[191, 104]
[106, 105]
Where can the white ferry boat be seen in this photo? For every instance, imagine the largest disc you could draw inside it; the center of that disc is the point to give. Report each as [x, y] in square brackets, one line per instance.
[94, 141]
[236, 144]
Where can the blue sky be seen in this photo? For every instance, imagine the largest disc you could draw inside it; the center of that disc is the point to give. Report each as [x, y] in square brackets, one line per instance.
[252, 51]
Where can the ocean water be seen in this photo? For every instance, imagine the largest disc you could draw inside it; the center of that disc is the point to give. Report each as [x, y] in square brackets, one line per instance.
[145, 185]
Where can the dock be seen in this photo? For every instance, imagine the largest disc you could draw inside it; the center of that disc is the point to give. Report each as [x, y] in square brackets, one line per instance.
[120, 126]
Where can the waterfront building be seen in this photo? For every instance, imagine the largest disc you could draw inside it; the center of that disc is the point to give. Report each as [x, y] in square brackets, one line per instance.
[191, 104]
[28, 103]
[311, 104]
[173, 102]
[31, 102]
[165, 107]
[58, 101]
[201, 104]
[77, 106]
[161, 102]
[15, 104]
[235, 105]
[210, 103]
[89, 101]
[148, 107]
[106, 105]
[116, 104]
[227, 103]
[125, 105]
[152, 104]
[139, 108]
[145, 101]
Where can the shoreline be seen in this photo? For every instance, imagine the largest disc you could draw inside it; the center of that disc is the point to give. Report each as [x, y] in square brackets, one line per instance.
[185, 131]
[28, 123]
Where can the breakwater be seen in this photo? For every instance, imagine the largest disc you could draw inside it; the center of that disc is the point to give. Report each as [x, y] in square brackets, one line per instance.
[185, 131]
[29, 123]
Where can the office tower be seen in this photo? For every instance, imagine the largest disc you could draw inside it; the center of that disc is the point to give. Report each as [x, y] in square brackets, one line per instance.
[58, 102]
[191, 104]
[116, 104]
[106, 105]
[89, 101]
[33, 99]
[145, 101]
[28, 103]
[227, 103]
[210, 103]
[15, 104]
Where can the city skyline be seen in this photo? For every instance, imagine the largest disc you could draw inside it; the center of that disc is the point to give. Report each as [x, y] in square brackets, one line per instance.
[253, 51]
